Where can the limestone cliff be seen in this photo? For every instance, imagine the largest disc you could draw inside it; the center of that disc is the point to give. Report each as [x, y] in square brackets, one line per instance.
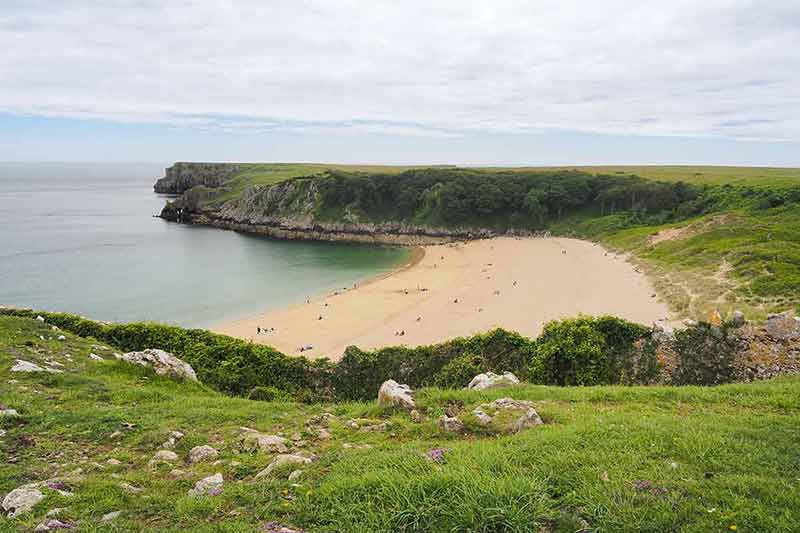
[181, 177]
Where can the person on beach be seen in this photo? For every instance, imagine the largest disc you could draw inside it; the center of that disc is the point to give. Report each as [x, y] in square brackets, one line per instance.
[258, 329]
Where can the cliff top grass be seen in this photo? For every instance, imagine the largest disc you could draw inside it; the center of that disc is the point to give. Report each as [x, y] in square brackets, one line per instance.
[607, 458]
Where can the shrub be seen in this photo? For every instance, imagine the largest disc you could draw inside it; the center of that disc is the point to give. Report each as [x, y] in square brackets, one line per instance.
[267, 394]
[705, 354]
[460, 371]
[593, 351]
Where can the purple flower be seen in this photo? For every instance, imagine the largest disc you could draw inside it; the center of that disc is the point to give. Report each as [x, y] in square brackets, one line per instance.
[436, 455]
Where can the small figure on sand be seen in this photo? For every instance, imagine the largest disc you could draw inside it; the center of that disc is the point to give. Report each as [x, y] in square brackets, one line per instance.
[320, 317]
[514, 284]
[419, 319]
[455, 300]
[258, 329]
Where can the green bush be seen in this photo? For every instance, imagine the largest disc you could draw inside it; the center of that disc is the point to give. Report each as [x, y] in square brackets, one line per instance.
[706, 354]
[267, 394]
[460, 371]
[593, 351]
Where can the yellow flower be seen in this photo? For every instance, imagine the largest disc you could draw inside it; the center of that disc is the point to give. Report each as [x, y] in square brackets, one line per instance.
[733, 527]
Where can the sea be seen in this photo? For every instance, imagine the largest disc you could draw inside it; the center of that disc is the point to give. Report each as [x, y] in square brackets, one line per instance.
[82, 238]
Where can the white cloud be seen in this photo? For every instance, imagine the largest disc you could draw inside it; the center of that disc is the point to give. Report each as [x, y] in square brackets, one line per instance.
[728, 68]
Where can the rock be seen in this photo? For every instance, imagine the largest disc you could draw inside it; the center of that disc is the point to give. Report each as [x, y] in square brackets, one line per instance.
[323, 434]
[295, 475]
[26, 366]
[40, 318]
[7, 411]
[393, 394]
[176, 473]
[202, 453]
[174, 437]
[127, 487]
[490, 380]
[416, 416]
[164, 455]
[521, 412]
[113, 462]
[53, 525]
[663, 332]
[22, 499]
[62, 338]
[451, 424]
[275, 527]
[163, 363]
[109, 517]
[738, 319]
[95, 357]
[252, 440]
[782, 326]
[209, 486]
[281, 460]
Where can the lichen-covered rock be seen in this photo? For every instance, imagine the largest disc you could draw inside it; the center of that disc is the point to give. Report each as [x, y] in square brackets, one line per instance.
[166, 456]
[202, 453]
[451, 424]
[209, 486]
[783, 326]
[490, 380]
[163, 363]
[252, 440]
[507, 415]
[22, 499]
[54, 524]
[281, 460]
[26, 366]
[393, 394]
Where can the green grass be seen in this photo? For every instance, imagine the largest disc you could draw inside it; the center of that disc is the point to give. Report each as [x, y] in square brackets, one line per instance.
[717, 457]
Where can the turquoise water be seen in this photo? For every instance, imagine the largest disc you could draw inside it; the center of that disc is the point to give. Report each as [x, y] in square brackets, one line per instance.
[81, 238]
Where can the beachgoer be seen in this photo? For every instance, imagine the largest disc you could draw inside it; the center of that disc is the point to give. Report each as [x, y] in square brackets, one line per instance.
[259, 330]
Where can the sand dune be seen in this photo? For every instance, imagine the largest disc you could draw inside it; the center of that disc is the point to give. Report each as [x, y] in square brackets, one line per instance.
[460, 289]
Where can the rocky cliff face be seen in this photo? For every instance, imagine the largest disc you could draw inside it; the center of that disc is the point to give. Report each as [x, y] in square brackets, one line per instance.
[287, 210]
[181, 177]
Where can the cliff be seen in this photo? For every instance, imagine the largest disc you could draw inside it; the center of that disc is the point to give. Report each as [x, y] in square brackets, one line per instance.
[181, 177]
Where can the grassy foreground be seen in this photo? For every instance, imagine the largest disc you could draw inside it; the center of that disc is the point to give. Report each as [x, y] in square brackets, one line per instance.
[607, 458]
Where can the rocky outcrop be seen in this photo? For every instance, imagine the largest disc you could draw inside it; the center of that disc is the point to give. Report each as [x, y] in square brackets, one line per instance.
[783, 326]
[181, 177]
[490, 380]
[393, 394]
[163, 363]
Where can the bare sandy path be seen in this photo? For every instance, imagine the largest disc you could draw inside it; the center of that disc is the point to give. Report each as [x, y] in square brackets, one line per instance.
[461, 289]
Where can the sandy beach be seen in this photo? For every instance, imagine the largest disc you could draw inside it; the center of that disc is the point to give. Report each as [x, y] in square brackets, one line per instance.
[460, 289]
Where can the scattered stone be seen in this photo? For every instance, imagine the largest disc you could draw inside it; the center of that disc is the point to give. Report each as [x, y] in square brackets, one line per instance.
[110, 517]
[526, 415]
[416, 416]
[738, 319]
[393, 394]
[177, 473]
[22, 499]
[163, 363]
[209, 486]
[323, 434]
[663, 332]
[379, 428]
[40, 318]
[275, 527]
[54, 524]
[164, 455]
[490, 380]
[202, 453]
[321, 419]
[174, 437]
[113, 462]
[62, 338]
[127, 487]
[7, 411]
[451, 424]
[95, 357]
[252, 440]
[295, 475]
[783, 326]
[281, 460]
[26, 366]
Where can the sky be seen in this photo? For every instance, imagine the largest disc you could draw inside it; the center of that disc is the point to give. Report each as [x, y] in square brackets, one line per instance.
[464, 82]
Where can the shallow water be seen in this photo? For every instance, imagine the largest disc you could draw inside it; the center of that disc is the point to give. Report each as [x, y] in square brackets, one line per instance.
[81, 238]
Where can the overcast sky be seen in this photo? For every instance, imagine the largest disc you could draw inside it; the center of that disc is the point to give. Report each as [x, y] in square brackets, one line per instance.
[513, 82]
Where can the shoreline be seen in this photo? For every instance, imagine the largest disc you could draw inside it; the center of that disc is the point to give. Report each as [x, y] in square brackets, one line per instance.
[459, 289]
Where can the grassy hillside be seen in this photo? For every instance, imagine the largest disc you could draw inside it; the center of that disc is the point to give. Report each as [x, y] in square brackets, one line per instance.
[606, 459]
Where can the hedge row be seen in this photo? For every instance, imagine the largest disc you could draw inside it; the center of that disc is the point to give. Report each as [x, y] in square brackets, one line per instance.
[579, 351]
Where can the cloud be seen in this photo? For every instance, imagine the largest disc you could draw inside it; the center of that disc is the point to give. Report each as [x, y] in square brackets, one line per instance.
[675, 68]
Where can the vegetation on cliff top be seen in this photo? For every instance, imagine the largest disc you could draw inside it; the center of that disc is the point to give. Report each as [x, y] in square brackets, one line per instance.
[606, 459]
